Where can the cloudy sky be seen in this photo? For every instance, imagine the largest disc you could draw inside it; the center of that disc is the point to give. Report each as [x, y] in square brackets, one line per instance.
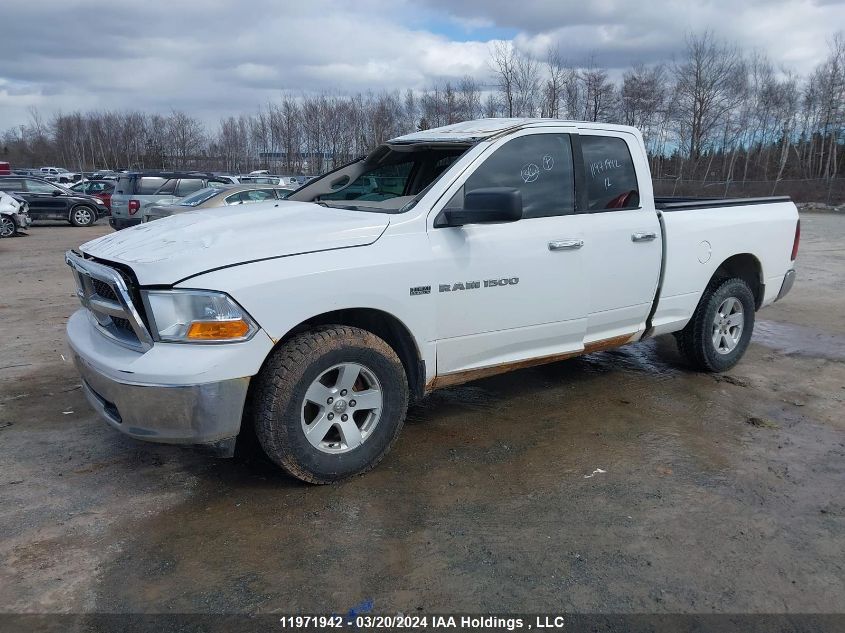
[217, 57]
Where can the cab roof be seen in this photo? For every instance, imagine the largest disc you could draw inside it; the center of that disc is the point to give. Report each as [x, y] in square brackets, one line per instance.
[479, 129]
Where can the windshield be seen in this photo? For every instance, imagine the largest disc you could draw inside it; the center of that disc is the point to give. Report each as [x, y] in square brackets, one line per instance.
[199, 197]
[400, 178]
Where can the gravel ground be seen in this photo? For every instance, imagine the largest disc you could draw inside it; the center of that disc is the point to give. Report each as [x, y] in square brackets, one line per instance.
[617, 482]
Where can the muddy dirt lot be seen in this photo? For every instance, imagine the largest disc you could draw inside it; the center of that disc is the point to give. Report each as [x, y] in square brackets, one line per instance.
[717, 493]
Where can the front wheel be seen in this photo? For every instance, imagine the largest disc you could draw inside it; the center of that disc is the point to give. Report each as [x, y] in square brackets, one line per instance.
[720, 329]
[83, 216]
[329, 403]
[8, 228]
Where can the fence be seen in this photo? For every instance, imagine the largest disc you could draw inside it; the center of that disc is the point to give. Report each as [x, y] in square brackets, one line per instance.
[830, 191]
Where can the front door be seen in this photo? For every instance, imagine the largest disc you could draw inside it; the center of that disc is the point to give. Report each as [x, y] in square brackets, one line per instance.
[512, 291]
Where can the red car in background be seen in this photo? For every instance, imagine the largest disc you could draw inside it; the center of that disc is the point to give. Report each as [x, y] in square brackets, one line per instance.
[102, 189]
[5, 169]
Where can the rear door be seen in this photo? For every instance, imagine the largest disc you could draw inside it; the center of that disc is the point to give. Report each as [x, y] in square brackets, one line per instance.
[622, 249]
[512, 291]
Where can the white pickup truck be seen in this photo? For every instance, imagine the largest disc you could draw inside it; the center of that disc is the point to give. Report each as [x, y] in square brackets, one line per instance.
[474, 249]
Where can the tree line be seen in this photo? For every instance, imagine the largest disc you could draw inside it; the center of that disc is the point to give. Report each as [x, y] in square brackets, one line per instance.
[716, 114]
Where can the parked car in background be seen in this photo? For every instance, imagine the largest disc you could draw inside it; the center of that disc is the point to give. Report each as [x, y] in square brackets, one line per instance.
[59, 174]
[102, 189]
[48, 201]
[52, 171]
[14, 214]
[5, 169]
[137, 191]
[211, 197]
[269, 179]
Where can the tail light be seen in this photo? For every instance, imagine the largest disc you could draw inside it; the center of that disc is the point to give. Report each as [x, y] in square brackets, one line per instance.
[797, 239]
[134, 206]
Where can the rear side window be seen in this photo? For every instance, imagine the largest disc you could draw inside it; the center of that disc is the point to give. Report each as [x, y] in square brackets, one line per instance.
[189, 185]
[611, 177]
[540, 166]
[148, 185]
[37, 186]
[168, 188]
[11, 184]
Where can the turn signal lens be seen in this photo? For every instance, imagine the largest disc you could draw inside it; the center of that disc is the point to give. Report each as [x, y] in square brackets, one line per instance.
[217, 330]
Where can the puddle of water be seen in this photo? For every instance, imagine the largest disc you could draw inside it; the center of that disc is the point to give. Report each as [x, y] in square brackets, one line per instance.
[799, 340]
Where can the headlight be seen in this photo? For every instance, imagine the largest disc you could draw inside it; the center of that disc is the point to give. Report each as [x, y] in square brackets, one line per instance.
[100, 200]
[197, 316]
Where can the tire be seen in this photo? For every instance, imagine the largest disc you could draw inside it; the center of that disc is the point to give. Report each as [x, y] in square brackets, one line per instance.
[8, 228]
[83, 215]
[304, 436]
[711, 341]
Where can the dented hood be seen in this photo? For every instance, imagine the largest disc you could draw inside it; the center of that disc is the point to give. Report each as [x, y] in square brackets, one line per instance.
[168, 250]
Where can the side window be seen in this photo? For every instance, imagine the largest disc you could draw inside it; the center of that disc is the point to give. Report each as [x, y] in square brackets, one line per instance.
[188, 185]
[610, 173]
[257, 195]
[36, 186]
[235, 198]
[11, 184]
[382, 183]
[540, 166]
[148, 185]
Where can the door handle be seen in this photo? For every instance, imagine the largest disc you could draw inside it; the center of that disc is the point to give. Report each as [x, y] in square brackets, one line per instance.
[565, 245]
[643, 237]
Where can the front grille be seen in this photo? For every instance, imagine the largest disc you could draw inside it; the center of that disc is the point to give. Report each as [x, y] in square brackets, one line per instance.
[109, 295]
[122, 324]
[103, 290]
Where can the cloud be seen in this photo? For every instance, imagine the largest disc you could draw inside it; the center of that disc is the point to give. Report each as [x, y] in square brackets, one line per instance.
[220, 57]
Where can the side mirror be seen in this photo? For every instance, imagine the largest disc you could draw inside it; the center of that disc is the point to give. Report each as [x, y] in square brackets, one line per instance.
[484, 206]
[56, 192]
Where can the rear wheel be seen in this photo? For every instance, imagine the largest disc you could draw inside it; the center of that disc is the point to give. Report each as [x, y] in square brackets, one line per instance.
[83, 216]
[329, 403]
[8, 228]
[720, 329]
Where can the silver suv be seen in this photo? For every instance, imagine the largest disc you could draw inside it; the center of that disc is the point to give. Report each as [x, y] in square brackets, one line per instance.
[137, 191]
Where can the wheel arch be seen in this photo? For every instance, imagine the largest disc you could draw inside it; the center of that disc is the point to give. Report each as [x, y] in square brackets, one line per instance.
[744, 266]
[81, 204]
[384, 325]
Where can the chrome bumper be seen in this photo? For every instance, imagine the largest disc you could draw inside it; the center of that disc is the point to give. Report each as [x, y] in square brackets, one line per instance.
[786, 286]
[208, 414]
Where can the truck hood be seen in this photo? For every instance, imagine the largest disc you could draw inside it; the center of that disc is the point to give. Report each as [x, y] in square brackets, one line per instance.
[168, 250]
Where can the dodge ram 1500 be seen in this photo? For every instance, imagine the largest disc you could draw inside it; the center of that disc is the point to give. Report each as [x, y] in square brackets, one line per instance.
[443, 256]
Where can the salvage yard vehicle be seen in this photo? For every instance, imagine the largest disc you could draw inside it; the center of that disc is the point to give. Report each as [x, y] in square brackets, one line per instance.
[511, 243]
[213, 197]
[14, 214]
[48, 201]
[137, 191]
[102, 189]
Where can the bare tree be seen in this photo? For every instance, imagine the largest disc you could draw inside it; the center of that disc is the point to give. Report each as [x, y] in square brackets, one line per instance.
[504, 66]
[708, 83]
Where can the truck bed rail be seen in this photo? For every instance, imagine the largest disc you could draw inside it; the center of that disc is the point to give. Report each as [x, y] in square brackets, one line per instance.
[691, 204]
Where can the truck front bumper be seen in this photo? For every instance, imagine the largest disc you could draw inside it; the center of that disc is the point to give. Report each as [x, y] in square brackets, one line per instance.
[172, 393]
[207, 414]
